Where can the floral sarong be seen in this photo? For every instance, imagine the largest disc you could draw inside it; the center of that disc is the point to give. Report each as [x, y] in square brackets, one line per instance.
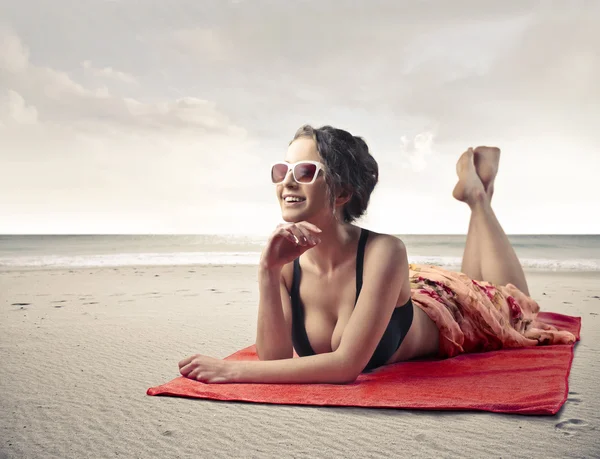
[477, 316]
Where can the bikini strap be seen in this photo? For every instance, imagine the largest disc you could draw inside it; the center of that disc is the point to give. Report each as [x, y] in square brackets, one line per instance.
[296, 279]
[360, 255]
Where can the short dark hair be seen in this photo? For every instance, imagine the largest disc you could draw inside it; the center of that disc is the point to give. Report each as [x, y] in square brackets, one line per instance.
[349, 166]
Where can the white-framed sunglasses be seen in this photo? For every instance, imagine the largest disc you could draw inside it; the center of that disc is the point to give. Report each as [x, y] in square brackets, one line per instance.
[304, 172]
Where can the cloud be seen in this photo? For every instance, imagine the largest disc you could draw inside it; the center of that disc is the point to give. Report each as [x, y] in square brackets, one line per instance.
[14, 57]
[220, 89]
[86, 147]
[475, 70]
[108, 72]
[416, 151]
[18, 111]
[60, 100]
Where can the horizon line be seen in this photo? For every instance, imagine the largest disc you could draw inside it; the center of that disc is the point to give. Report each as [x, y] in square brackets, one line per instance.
[266, 234]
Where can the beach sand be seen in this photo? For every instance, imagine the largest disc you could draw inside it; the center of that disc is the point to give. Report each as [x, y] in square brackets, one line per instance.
[79, 348]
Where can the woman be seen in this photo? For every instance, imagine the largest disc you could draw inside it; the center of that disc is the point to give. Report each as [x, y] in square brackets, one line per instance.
[354, 309]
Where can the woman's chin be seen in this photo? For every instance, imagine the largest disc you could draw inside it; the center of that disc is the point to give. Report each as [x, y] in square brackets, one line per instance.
[291, 217]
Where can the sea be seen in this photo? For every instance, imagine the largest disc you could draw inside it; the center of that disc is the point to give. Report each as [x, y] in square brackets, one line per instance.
[536, 252]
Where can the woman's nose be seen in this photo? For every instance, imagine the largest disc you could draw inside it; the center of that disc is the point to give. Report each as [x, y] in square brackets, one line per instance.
[289, 178]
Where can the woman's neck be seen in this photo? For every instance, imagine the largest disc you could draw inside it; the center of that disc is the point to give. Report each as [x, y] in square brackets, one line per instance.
[338, 244]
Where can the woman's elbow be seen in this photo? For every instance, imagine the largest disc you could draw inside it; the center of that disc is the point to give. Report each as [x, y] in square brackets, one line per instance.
[351, 378]
[349, 372]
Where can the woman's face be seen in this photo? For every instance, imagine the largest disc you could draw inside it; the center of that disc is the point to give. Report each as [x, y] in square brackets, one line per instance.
[313, 197]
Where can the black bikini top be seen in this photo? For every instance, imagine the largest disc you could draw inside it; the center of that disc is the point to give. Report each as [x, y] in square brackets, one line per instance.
[393, 336]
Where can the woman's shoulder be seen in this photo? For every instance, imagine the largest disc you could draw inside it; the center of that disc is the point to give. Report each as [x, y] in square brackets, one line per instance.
[384, 251]
[385, 241]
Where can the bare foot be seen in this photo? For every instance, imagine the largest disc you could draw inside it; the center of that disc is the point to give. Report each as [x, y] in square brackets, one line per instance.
[469, 188]
[486, 165]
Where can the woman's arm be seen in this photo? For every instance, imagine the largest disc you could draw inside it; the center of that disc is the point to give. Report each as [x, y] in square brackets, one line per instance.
[274, 330]
[327, 368]
[385, 273]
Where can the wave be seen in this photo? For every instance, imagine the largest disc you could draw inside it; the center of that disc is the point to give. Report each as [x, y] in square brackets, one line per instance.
[134, 259]
[538, 264]
[247, 258]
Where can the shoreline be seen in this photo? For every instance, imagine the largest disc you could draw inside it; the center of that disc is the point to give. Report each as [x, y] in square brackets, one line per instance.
[7, 269]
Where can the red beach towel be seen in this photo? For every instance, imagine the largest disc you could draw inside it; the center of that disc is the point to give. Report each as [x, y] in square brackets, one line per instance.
[531, 380]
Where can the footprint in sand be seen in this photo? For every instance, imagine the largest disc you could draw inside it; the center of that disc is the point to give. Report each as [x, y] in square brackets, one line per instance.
[574, 400]
[571, 426]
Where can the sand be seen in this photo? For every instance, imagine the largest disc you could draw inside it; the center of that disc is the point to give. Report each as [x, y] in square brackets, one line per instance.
[78, 354]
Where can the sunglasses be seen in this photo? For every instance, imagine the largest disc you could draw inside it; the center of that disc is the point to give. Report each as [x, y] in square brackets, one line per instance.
[304, 172]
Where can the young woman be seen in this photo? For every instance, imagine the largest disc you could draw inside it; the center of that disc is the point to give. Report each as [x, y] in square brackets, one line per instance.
[344, 297]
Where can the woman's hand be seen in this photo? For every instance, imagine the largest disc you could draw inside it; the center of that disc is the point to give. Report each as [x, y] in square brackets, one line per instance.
[288, 242]
[206, 369]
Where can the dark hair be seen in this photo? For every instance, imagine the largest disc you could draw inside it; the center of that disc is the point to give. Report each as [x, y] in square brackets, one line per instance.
[349, 166]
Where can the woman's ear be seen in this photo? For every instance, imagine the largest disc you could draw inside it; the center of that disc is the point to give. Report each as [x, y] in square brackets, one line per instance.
[344, 196]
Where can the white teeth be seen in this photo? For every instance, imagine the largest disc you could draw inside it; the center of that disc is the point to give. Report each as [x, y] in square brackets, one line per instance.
[293, 199]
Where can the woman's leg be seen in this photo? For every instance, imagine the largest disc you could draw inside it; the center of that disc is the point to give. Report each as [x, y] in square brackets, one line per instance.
[489, 255]
[470, 262]
[486, 161]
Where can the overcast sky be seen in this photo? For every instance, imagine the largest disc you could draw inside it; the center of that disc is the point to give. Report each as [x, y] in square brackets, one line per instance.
[141, 116]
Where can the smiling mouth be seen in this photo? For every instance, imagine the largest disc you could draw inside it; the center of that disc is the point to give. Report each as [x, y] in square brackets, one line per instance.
[294, 203]
[292, 198]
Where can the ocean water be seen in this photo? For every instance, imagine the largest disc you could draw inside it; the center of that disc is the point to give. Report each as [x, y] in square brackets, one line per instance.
[536, 252]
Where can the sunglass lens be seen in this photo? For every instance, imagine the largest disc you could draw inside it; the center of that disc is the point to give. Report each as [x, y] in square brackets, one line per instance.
[279, 172]
[305, 172]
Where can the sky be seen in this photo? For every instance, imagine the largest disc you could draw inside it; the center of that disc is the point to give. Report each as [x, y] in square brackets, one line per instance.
[146, 117]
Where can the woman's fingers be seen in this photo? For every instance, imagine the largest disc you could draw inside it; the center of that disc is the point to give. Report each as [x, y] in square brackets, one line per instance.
[302, 235]
[308, 230]
[297, 234]
[186, 361]
[284, 232]
[310, 226]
